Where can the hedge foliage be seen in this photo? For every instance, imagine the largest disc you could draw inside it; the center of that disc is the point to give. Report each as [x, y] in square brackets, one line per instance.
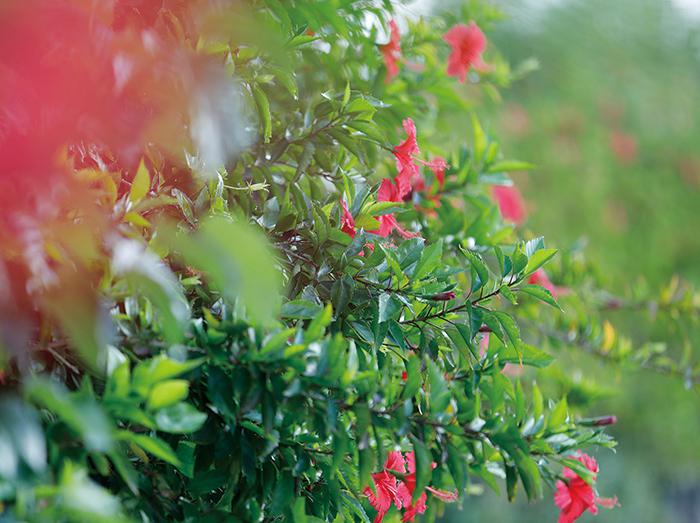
[247, 330]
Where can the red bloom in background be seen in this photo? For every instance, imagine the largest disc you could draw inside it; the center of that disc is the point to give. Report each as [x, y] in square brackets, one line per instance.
[400, 491]
[539, 277]
[510, 203]
[574, 496]
[392, 52]
[405, 163]
[623, 146]
[438, 165]
[347, 222]
[468, 43]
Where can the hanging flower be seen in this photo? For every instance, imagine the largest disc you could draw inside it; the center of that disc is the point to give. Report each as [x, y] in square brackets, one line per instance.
[391, 52]
[389, 192]
[468, 43]
[347, 222]
[400, 491]
[438, 165]
[510, 203]
[405, 161]
[574, 496]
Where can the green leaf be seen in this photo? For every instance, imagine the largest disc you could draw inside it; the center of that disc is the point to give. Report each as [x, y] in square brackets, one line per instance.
[525, 355]
[456, 462]
[264, 111]
[84, 499]
[529, 475]
[439, 392]
[479, 269]
[511, 482]
[558, 415]
[149, 276]
[81, 413]
[181, 418]
[167, 393]
[424, 466]
[539, 292]
[299, 511]
[238, 261]
[430, 259]
[538, 259]
[275, 343]
[318, 324]
[509, 165]
[140, 184]
[300, 309]
[580, 469]
[151, 444]
[480, 140]
[341, 294]
[510, 328]
[413, 377]
[159, 368]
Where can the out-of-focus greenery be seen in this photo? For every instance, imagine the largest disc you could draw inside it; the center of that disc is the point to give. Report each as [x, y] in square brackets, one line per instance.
[613, 117]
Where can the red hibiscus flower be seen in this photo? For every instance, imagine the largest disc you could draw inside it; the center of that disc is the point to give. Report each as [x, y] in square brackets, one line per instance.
[400, 491]
[407, 486]
[385, 485]
[392, 52]
[510, 202]
[389, 192]
[539, 277]
[468, 44]
[347, 222]
[574, 496]
[405, 162]
[438, 165]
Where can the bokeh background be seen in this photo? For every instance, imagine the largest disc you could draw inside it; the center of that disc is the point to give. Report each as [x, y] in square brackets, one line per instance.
[612, 119]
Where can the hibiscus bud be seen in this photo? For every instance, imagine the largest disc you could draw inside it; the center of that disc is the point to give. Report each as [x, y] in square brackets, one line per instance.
[601, 421]
[605, 420]
[443, 296]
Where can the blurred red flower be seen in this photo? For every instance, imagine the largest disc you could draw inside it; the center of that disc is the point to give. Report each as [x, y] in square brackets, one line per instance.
[510, 203]
[539, 277]
[405, 162]
[574, 496]
[468, 43]
[392, 52]
[347, 222]
[624, 146]
[438, 165]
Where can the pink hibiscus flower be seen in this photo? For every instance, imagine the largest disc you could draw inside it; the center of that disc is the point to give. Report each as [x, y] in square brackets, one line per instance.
[510, 203]
[405, 162]
[385, 485]
[391, 52]
[400, 491]
[574, 496]
[468, 43]
[347, 222]
[438, 165]
[389, 192]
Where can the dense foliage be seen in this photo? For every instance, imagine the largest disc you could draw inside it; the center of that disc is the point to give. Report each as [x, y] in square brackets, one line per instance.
[272, 278]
